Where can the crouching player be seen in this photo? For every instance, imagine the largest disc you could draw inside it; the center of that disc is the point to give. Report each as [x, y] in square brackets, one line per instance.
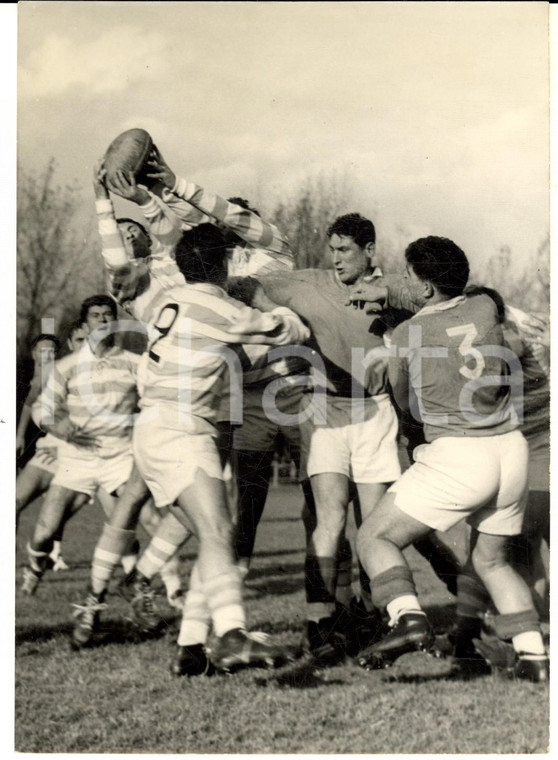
[450, 365]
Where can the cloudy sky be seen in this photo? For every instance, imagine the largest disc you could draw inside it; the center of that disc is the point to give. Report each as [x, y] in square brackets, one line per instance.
[437, 112]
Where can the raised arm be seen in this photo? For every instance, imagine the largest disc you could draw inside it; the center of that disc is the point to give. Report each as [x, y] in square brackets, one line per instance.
[247, 225]
[125, 278]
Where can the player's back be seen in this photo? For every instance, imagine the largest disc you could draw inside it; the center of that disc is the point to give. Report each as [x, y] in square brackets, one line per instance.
[458, 368]
[184, 367]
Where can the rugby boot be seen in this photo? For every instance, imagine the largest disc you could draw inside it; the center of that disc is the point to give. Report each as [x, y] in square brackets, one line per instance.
[366, 627]
[411, 633]
[191, 660]
[31, 580]
[136, 589]
[532, 667]
[325, 641]
[87, 620]
[238, 648]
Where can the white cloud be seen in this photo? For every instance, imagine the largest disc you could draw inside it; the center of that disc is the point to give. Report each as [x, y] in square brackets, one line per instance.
[110, 63]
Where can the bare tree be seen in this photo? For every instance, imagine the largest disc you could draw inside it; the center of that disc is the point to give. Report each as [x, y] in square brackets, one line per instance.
[55, 259]
[305, 216]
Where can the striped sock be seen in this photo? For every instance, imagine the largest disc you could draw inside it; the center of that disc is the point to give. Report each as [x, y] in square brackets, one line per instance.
[196, 618]
[223, 593]
[530, 642]
[170, 574]
[111, 547]
[38, 561]
[167, 539]
[129, 560]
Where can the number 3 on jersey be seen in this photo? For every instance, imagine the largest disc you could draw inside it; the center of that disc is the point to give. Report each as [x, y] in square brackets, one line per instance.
[467, 350]
[164, 323]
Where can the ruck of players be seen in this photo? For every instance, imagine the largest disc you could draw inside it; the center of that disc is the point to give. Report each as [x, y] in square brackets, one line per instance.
[418, 399]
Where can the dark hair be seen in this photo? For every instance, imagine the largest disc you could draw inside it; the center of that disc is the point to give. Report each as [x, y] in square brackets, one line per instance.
[98, 300]
[125, 219]
[244, 204]
[355, 226]
[72, 327]
[46, 336]
[200, 254]
[481, 290]
[441, 262]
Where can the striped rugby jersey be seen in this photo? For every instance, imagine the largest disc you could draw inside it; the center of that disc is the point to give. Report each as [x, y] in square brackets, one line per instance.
[139, 285]
[184, 369]
[98, 393]
[266, 250]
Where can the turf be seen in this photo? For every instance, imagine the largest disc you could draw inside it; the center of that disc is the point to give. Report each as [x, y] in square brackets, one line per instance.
[119, 696]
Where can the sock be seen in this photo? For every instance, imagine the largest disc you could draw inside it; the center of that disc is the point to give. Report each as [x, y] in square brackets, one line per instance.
[130, 559]
[170, 574]
[167, 539]
[390, 584]
[56, 548]
[196, 618]
[223, 594]
[344, 587]
[530, 642]
[401, 605]
[473, 599]
[38, 561]
[111, 546]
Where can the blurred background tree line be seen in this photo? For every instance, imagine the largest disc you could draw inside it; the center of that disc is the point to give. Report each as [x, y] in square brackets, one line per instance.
[59, 263]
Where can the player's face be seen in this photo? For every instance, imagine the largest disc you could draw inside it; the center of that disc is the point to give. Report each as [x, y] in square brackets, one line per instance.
[415, 286]
[350, 261]
[76, 340]
[98, 318]
[136, 242]
[44, 352]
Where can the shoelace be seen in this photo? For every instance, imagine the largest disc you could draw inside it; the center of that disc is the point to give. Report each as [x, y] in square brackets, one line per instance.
[258, 636]
[146, 595]
[88, 610]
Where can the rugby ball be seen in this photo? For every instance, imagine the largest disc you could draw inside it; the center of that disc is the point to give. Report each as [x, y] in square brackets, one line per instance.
[128, 152]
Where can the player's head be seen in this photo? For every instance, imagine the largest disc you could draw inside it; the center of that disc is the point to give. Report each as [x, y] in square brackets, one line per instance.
[352, 243]
[201, 255]
[481, 290]
[136, 238]
[435, 266]
[76, 335]
[97, 311]
[44, 348]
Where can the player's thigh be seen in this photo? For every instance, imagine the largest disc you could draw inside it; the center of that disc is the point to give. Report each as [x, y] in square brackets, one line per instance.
[331, 498]
[369, 494]
[52, 510]
[31, 482]
[107, 502]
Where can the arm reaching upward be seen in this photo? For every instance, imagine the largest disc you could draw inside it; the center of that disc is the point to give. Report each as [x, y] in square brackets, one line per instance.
[245, 223]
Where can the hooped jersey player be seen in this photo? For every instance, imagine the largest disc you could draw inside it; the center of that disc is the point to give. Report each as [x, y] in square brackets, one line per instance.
[453, 357]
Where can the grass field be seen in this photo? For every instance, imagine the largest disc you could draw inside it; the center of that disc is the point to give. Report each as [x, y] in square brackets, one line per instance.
[119, 697]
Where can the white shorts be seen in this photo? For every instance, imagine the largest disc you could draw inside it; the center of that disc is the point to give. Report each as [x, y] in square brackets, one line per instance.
[168, 458]
[260, 426]
[480, 479]
[366, 452]
[85, 471]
